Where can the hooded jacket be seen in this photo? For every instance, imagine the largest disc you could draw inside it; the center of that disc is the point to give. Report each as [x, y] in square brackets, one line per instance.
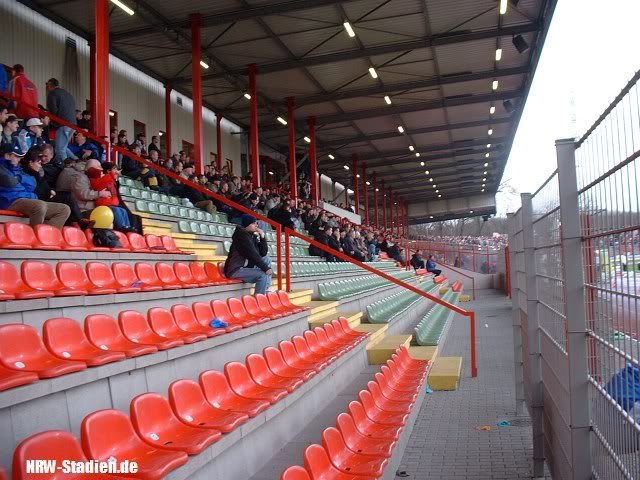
[246, 250]
[15, 184]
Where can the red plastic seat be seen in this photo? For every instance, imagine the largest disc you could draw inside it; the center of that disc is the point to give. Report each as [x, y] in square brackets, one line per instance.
[314, 345]
[73, 276]
[124, 242]
[103, 331]
[242, 383]
[148, 277]
[338, 336]
[169, 244]
[391, 393]
[21, 348]
[17, 235]
[215, 275]
[10, 378]
[163, 323]
[239, 312]
[186, 320]
[205, 314]
[200, 275]
[252, 308]
[126, 279]
[360, 443]
[346, 460]
[266, 308]
[138, 242]
[55, 445]
[308, 355]
[404, 353]
[276, 304]
[399, 383]
[135, 327]
[65, 339]
[316, 461]
[102, 277]
[154, 243]
[218, 392]
[331, 343]
[12, 286]
[284, 299]
[263, 376]
[368, 427]
[109, 433]
[76, 239]
[157, 425]
[222, 312]
[49, 237]
[293, 358]
[278, 366]
[190, 405]
[40, 276]
[344, 323]
[167, 276]
[89, 235]
[184, 275]
[295, 473]
[387, 404]
[378, 415]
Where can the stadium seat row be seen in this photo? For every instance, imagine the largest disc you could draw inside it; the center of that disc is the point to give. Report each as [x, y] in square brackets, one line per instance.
[295, 251]
[430, 329]
[382, 311]
[360, 445]
[309, 269]
[161, 433]
[65, 347]
[20, 236]
[354, 286]
[39, 280]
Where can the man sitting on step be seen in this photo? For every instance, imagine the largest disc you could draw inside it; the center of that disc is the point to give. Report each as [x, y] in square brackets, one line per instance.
[248, 257]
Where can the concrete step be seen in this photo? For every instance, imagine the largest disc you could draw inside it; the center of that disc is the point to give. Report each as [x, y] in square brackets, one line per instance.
[300, 297]
[376, 331]
[352, 317]
[382, 350]
[424, 353]
[320, 308]
[445, 373]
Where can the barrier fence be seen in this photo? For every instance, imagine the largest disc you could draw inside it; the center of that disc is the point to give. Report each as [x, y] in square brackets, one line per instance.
[479, 259]
[574, 257]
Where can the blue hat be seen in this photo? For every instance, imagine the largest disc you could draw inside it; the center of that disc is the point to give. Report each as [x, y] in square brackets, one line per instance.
[12, 148]
[246, 220]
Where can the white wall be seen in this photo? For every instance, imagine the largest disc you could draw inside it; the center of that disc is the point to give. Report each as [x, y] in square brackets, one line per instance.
[39, 44]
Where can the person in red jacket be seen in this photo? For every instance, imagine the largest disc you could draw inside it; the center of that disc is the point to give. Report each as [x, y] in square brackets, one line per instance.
[105, 178]
[25, 92]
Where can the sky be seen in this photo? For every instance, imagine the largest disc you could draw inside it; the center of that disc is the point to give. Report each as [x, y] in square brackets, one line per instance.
[590, 54]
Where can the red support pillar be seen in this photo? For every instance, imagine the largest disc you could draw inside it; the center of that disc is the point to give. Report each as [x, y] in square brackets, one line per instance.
[390, 207]
[167, 119]
[354, 180]
[196, 88]
[384, 205]
[92, 85]
[101, 97]
[406, 219]
[313, 161]
[218, 143]
[376, 221]
[254, 147]
[395, 199]
[365, 194]
[291, 124]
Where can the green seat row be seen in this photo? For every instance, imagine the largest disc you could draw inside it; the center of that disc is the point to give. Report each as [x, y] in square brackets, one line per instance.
[433, 325]
[147, 194]
[384, 310]
[353, 286]
[179, 212]
[310, 269]
[200, 228]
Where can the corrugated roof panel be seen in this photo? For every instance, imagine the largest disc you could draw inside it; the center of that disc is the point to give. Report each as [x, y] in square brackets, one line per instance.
[423, 119]
[471, 56]
[361, 103]
[285, 84]
[335, 75]
[468, 113]
[425, 140]
[311, 43]
[374, 9]
[394, 143]
[466, 133]
[251, 52]
[413, 71]
[317, 109]
[444, 16]
[387, 31]
[377, 125]
[413, 96]
[308, 20]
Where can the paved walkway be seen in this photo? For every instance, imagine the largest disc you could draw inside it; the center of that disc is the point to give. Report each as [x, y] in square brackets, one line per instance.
[446, 442]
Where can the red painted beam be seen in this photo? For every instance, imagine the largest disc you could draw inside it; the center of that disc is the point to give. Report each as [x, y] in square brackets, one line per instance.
[254, 147]
[101, 97]
[196, 87]
[365, 193]
[167, 120]
[354, 180]
[291, 123]
[376, 221]
[218, 143]
[313, 161]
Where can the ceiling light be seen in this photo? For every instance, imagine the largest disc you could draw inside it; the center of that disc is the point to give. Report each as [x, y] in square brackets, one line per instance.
[484, 173]
[520, 43]
[373, 73]
[470, 211]
[123, 6]
[490, 132]
[204, 64]
[160, 134]
[400, 128]
[377, 189]
[488, 145]
[426, 172]
[357, 175]
[307, 139]
[417, 154]
[367, 182]
[346, 167]
[494, 85]
[484, 179]
[482, 190]
[387, 99]
[484, 185]
[349, 29]
[503, 6]
[508, 105]
[422, 164]
[486, 164]
[430, 216]
[112, 114]
[431, 179]
[270, 173]
[437, 191]
[331, 157]
[487, 155]
[498, 54]
[434, 186]
[282, 120]
[411, 149]
[247, 96]
[439, 195]
[492, 110]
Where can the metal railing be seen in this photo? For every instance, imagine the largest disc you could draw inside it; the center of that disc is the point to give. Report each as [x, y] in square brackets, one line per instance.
[574, 252]
[479, 259]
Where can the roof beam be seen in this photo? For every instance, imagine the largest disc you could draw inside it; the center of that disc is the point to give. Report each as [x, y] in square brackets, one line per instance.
[427, 42]
[229, 16]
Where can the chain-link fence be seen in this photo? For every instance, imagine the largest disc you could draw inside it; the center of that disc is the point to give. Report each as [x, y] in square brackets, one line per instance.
[575, 276]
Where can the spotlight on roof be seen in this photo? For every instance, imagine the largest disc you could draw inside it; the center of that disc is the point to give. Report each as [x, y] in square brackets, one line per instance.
[281, 120]
[508, 106]
[422, 164]
[204, 64]
[346, 167]
[373, 73]
[124, 7]
[357, 175]
[387, 99]
[426, 172]
[439, 195]
[482, 190]
[400, 128]
[486, 164]
[411, 149]
[368, 182]
[307, 139]
[331, 157]
[247, 96]
[490, 131]
[492, 110]
[430, 216]
[417, 154]
[494, 85]
[520, 43]
[270, 173]
[488, 145]
[349, 29]
[377, 189]
[503, 6]
[487, 155]
[498, 54]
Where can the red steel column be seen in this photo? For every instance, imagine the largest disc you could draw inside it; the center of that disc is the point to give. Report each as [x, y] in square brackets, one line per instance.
[167, 119]
[376, 221]
[291, 123]
[354, 180]
[101, 98]
[384, 205]
[196, 87]
[365, 193]
[313, 170]
[390, 207]
[92, 85]
[218, 143]
[254, 148]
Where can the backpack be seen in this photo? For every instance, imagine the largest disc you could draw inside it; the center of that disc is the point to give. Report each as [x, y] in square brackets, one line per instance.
[104, 237]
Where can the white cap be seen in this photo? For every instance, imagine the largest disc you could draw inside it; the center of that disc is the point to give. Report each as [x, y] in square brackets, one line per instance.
[32, 122]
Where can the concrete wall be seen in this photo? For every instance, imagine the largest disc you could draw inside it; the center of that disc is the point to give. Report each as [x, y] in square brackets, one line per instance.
[482, 281]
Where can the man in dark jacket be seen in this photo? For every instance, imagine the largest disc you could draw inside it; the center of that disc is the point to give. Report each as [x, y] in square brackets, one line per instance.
[248, 259]
[432, 267]
[417, 261]
[62, 104]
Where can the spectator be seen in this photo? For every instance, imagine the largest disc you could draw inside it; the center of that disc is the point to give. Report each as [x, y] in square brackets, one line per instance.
[31, 134]
[130, 167]
[350, 246]
[9, 130]
[73, 181]
[82, 148]
[432, 267]
[4, 80]
[61, 104]
[4, 113]
[17, 191]
[334, 242]
[100, 180]
[25, 92]
[85, 120]
[154, 145]
[141, 141]
[248, 259]
[417, 261]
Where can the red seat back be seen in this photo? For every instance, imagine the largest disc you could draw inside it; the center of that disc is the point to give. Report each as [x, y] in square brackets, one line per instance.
[147, 274]
[184, 317]
[198, 272]
[204, 312]
[152, 417]
[274, 300]
[215, 387]
[75, 238]
[187, 398]
[72, 275]
[19, 234]
[166, 274]
[101, 275]
[154, 242]
[250, 305]
[103, 331]
[162, 322]
[49, 236]
[21, 347]
[183, 273]
[62, 336]
[237, 308]
[124, 240]
[221, 311]
[169, 243]
[317, 462]
[137, 242]
[213, 272]
[134, 325]
[264, 305]
[124, 274]
[40, 276]
[10, 281]
[295, 473]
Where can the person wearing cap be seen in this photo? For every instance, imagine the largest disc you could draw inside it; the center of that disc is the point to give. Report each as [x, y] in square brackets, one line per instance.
[17, 191]
[31, 134]
[248, 258]
[9, 130]
[26, 93]
[61, 104]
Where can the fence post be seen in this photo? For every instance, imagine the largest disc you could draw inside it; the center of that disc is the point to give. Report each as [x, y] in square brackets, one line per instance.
[533, 335]
[516, 323]
[572, 264]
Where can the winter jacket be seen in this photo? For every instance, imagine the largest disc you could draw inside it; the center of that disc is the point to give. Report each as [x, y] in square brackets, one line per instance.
[27, 139]
[62, 104]
[101, 182]
[431, 266]
[26, 92]
[15, 184]
[246, 250]
[75, 181]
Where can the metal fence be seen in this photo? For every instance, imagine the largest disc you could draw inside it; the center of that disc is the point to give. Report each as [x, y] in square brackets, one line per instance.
[574, 249]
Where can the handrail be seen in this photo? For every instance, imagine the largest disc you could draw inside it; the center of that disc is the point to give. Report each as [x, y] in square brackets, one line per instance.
[466, 313]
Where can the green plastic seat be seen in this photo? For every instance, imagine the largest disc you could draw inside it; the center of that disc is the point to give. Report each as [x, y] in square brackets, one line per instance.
[145, 194]
[164, 209]
[184, 226]
[124, 190]
[142, 206]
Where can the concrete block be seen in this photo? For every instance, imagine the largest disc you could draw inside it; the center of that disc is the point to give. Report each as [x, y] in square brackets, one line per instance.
[445, 373]
[381, 351]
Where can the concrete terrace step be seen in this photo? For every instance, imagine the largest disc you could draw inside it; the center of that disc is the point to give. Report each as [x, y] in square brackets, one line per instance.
[423, 353]
[321, 308]
[300, 297]
[445, 373]
[352, 317]
[382, 350]
[377, 332]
